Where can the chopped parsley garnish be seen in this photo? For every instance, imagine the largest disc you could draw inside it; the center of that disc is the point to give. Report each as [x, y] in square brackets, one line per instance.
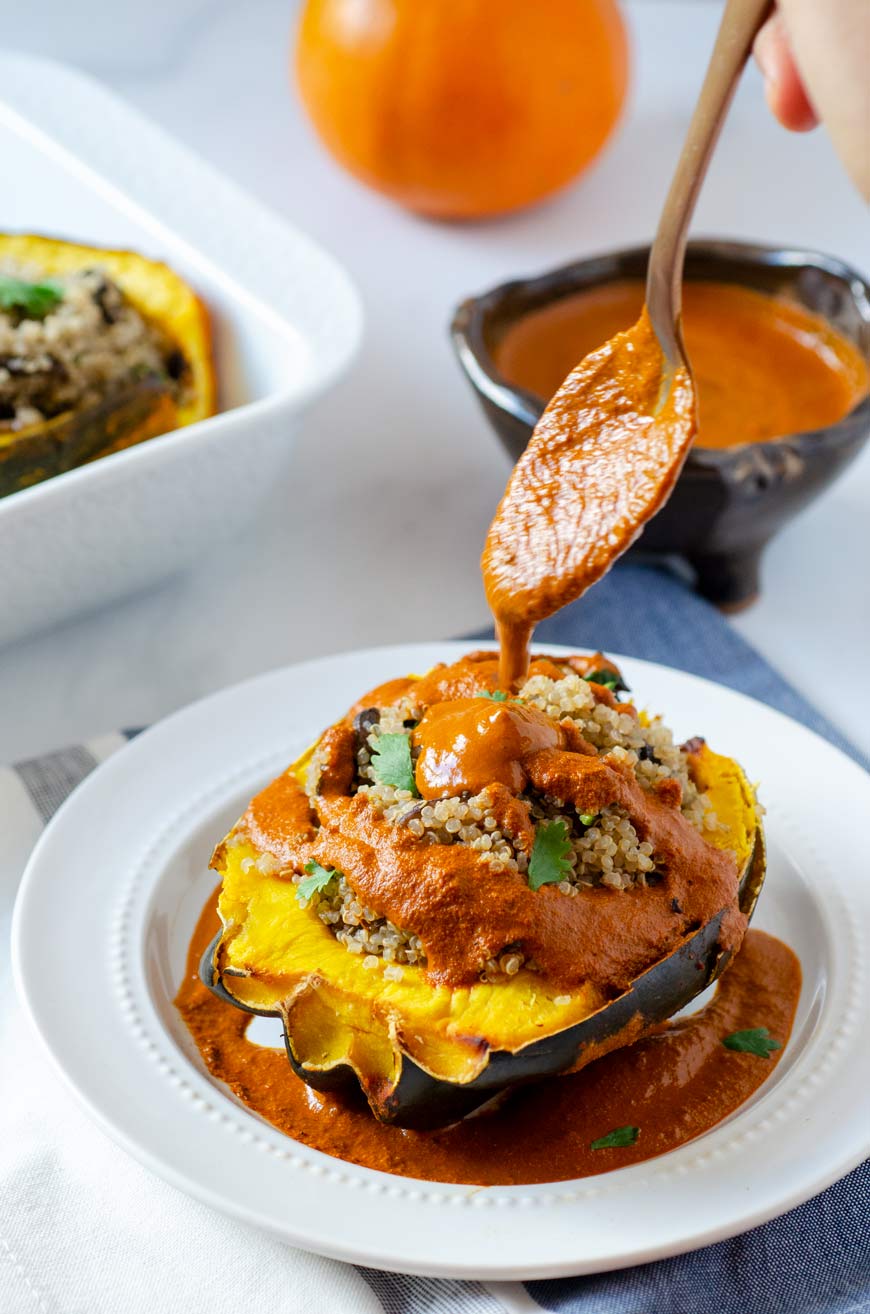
[757, 1040]
[616, 1139]
[391, 762]
[317, 879]
[550, 851]
[611, 680]
[495, 696]
[587, 818]
[34, 300]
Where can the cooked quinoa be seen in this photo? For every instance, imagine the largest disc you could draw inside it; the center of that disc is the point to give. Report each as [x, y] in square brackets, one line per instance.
[604, 851]
[68, 357]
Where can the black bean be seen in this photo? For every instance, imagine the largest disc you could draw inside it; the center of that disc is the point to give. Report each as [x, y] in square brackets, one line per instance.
[16, 365]
[364, 722]
[42, 367]
[646, 754]
[176, 365]
[104, 297]
[413, 811]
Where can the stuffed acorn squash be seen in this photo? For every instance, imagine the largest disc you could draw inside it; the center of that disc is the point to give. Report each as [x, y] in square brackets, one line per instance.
[456, 891]
[99, 350]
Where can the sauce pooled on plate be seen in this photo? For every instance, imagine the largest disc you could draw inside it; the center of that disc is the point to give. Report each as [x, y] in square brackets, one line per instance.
[664, 1090]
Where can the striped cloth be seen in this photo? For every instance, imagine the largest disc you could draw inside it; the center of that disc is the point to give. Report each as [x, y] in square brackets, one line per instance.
[85, 1230]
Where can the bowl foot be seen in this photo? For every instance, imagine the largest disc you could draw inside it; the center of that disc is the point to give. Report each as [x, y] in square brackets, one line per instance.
[730, 580]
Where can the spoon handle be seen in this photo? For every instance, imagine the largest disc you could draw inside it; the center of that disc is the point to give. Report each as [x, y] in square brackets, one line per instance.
[740, 24]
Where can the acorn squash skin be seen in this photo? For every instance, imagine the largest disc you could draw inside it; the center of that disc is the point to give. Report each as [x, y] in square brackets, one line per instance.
[410, 1095]
[127, 415]
[134, 409]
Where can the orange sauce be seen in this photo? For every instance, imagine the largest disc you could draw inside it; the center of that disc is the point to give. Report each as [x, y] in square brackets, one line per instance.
[597, 937]
[606, 452]
[764, 367]
[672, 1086]
[603, 458]
[467, 744]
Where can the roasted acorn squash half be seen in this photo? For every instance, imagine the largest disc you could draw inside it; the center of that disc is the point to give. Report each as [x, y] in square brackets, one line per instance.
[424, 1052]
[131, 410]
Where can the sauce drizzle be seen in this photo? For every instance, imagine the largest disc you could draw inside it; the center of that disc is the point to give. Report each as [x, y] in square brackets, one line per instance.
[603, 458]
[673, 1085]
[472, 743]
[465, 911]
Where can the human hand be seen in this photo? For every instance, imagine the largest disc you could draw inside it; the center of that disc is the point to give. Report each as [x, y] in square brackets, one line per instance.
[814, 58]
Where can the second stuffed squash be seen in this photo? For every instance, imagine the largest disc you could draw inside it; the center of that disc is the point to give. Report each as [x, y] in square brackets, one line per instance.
[99, 350]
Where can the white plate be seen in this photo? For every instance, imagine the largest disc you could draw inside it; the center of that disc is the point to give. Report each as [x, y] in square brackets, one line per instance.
[286, 321]
[114, 887]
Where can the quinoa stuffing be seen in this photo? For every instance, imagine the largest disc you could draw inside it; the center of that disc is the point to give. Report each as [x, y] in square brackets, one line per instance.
[65, 341]
[601, 850]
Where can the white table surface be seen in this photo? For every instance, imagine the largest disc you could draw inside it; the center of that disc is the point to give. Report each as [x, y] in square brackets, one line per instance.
[376, 537]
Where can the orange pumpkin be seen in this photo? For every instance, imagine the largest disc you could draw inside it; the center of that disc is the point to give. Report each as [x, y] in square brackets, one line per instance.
[462, 108]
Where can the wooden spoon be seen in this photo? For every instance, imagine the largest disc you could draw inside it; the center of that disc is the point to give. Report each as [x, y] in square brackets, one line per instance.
[741, 22]
[607, 451]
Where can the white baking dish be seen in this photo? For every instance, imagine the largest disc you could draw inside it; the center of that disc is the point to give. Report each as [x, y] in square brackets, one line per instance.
[80, 164]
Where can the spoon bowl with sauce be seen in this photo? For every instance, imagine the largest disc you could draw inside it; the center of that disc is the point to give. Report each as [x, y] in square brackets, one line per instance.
[779, 341]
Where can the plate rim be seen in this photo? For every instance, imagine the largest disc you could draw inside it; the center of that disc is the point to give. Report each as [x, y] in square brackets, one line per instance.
[345, 1251]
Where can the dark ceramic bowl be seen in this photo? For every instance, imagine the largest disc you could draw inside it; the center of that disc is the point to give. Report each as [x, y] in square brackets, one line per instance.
[727, 503]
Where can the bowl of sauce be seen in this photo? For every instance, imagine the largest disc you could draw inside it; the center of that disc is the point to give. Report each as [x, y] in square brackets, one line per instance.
[779, 344]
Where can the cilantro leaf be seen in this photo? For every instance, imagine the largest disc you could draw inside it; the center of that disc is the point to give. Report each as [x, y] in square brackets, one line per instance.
[616, 1139]
[317, 879]
[611, 680]
[391, 762]
[549, 861]
[496, 696]
[757, 1040]
[33, 300]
